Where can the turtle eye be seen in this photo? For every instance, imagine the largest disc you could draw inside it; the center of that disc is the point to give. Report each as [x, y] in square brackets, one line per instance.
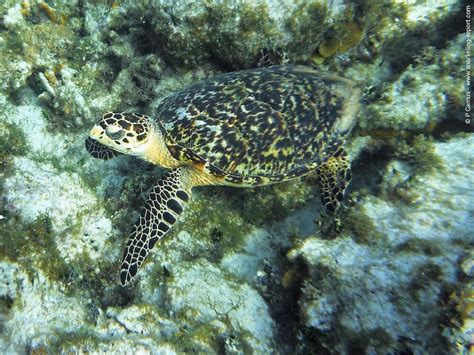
[114, 132]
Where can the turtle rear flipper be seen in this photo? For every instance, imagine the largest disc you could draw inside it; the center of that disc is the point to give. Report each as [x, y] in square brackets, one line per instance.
[100, 151]
[165, 203]
[334, 176]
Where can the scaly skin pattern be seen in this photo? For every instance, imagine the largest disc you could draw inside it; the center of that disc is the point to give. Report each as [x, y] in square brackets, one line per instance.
[334, 176]
[98, 150]
[165, 203]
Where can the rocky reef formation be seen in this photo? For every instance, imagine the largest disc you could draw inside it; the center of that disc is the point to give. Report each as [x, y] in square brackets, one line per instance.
[246, 271]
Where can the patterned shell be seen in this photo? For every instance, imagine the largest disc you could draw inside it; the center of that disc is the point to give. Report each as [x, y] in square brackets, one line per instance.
[258, 126]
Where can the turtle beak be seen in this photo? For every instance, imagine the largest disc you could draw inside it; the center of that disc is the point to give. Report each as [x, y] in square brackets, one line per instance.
[96, 132]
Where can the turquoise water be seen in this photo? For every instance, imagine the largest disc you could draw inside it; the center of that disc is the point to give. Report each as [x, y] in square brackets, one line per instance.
[382, 262]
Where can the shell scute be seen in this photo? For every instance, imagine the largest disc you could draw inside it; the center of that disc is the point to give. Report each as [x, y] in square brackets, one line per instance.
[259, 125]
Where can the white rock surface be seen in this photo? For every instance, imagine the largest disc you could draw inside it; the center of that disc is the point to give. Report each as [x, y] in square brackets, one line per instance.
[357, 289]
[204, 294]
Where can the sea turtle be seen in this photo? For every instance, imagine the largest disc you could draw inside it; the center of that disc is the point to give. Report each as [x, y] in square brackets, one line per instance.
[246, 128]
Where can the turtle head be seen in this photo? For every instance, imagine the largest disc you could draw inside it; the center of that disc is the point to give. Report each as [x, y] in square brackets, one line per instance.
[133, 134]
[123, 132]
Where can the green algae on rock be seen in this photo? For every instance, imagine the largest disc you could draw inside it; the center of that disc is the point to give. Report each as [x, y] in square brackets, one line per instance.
[421, 96]
[13, 143]
[230, 33]
[222, 303]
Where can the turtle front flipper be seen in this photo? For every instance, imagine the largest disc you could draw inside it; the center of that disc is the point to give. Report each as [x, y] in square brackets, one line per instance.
[165, 203]
[334, 176]
[99, 151]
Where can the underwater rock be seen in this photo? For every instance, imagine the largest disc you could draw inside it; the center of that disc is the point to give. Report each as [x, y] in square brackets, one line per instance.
[461, 330]
[9, 282]
[265, 246]
[388, 279]
[467, 266]
[423, 95]
[237, 308]
[143, 320]
[38, 188]
[13, 16]
[39, 314]
[27, 119]
[232, 33]
[420, 12]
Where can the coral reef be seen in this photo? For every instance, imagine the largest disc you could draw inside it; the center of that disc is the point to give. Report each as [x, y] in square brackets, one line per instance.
[223, 306]
[228, 33]
[371, 308]
[246, 270]
[426, 93]
[461, 301]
